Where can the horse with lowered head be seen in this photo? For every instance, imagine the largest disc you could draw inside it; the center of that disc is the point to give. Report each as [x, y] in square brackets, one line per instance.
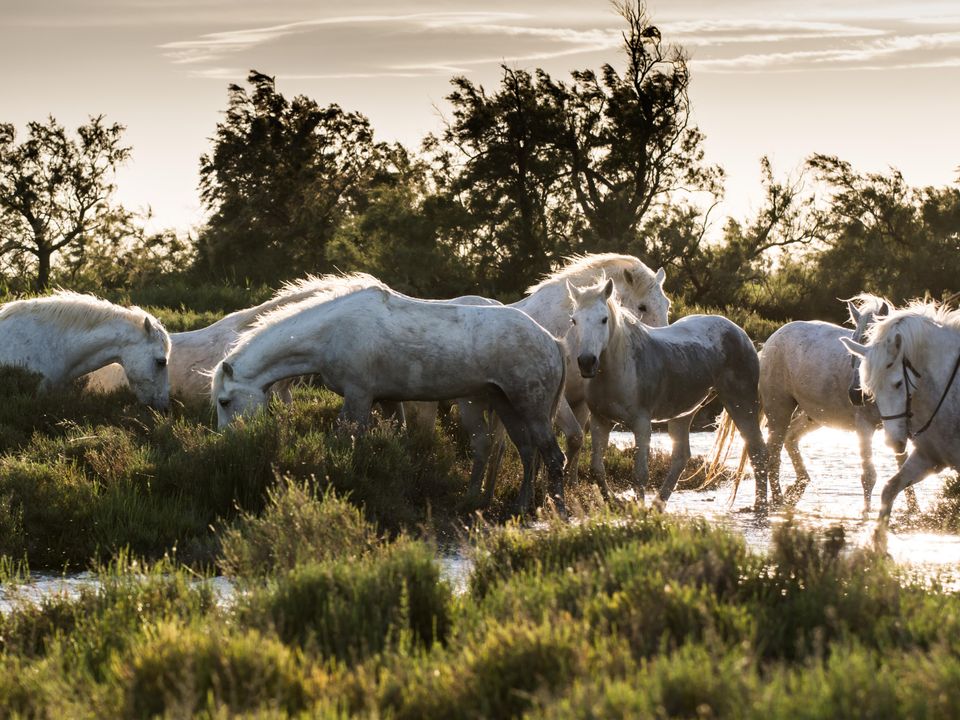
[67, 335]
[909, 366]
[639, 374]
[373, 344]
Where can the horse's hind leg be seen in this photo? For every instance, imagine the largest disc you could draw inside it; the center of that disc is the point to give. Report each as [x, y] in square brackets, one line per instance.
[745, 415]
[679, 430]
[779, 409]
[520, 435]
[800, 425]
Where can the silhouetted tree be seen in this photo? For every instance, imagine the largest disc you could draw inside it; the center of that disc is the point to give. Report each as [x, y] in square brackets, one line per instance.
[626, 139]
[501, 166]
[56, 191]
[280, 179]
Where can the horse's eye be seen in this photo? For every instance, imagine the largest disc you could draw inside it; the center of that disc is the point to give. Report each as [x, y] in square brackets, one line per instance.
[224, 402]
[898, 384]
[604, 321]
[161, 362]
[643, 308]
[573, 320]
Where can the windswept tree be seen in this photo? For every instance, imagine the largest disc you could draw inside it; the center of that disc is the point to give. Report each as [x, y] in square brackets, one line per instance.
[884, 236]
[503, 168]
[56, 191]
[279, 180]
[627, 138]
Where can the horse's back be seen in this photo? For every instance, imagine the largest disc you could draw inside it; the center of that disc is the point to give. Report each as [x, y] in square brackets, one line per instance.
[804, 360]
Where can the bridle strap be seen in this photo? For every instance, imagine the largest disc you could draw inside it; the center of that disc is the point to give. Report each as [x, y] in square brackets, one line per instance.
[909, 385]
[943, 396]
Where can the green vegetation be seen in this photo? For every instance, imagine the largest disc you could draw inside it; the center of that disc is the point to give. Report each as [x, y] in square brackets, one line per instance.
[623, 613]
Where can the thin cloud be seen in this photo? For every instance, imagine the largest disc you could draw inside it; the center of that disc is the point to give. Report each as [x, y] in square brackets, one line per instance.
[884, 52]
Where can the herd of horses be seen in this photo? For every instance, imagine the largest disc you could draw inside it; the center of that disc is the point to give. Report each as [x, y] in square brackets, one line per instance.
[590, 346]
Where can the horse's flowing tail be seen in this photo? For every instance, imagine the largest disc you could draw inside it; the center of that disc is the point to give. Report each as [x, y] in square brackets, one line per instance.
[722, 448]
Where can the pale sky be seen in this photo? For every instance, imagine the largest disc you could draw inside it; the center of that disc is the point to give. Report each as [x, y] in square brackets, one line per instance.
[877, 83]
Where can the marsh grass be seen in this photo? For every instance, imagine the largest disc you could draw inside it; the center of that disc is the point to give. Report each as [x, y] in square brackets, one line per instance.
[622, 613]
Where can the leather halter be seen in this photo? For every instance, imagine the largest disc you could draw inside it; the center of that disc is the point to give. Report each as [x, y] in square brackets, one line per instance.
[908, 385]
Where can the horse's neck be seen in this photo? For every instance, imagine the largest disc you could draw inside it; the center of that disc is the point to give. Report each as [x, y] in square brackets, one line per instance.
[286, 349]
[91, 350]
[941, 357]
[550, 306]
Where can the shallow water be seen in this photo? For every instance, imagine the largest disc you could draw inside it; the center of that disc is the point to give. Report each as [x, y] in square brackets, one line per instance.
[834, 496]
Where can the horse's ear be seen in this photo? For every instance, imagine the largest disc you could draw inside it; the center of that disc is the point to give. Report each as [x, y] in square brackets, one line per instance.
[853, 347]
[628, 277]
[573, 291]
[608, 288]
[854, 313]
[147, 326]
[228, 369]
[884, 309]
[661, 276]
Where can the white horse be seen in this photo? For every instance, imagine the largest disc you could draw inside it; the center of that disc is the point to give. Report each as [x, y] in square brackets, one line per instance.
[548, 302]
[66, 335]
[374, 344]
[194, 354]
[804, 380]
[640, 374]
[909, 365]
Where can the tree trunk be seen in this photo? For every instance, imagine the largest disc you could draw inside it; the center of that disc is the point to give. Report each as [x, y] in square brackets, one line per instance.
[43, 270]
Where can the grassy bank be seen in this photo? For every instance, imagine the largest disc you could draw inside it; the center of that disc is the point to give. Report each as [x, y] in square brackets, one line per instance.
[84, 477]
[628, 614]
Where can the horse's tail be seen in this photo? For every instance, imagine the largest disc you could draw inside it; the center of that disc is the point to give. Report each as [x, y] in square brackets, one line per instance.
[722, 447]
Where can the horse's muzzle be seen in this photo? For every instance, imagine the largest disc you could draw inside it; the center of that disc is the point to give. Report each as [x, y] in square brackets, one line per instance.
[589, 365]
[856, 395]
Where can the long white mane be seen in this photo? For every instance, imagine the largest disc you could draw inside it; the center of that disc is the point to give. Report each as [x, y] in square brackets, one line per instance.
[869, 303]
[70, 310]
[913, 323]
[582, 268]
[298, 290]
[314, 291]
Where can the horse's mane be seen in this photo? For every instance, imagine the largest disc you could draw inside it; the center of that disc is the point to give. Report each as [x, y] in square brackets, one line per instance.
[72, 310]
[324, 289]
[582, 267]
[302, 289]
[914, 323]
[869, 303]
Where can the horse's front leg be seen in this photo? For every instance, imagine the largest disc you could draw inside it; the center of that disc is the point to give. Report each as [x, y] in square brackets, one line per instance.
[641, 435]
[355, 413]
[572, 429]
[473, 421]
[679, 430]
[599, 435]
[916, 467]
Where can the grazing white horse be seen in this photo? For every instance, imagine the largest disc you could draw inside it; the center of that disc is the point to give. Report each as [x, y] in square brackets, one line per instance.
[910, 366]
[66, 335]
[549, 303]
[374, 344]
[638, 375]
[194, 354]
[805, 376]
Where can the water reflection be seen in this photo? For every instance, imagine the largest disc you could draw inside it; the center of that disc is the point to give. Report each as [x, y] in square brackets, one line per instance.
[834, 496]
